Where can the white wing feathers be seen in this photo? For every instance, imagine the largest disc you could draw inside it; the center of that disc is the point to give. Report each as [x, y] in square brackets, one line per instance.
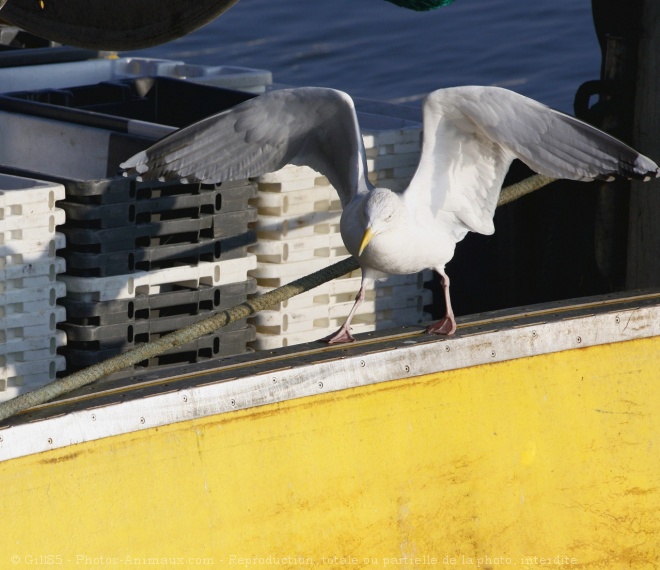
[309, 126]
[460, 171]
[472, 134]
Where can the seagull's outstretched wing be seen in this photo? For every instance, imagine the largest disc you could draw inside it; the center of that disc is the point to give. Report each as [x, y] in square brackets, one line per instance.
[472, 134]
[310, 126]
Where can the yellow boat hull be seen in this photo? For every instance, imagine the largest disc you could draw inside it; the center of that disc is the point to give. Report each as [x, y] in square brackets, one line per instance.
[547, 460]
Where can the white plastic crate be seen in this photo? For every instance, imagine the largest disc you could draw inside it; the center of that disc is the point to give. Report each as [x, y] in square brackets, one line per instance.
[39, 250]
[292, 322]
[324, 246]
[33, 248]
[397, 301]
[18, 191]
[298, 231]
[295, 202]
[33, 367]
[273, 341]
[384, 304]
[49, 343]
[157, 281]
[51, 290]
[337, 290]
[84, 157]
[345, 289]
[278, 274]
[89, 72]
[28, 358]
[22, 357]
[15, 270]
[27, 208]
[31, 300]
[32, 282]
[28, 325]
[19, 377]
[22, 222]
[295, 320]
[299, 226]
[28, 284]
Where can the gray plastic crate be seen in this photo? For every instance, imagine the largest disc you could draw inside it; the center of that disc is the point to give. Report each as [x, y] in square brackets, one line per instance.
[97, 70]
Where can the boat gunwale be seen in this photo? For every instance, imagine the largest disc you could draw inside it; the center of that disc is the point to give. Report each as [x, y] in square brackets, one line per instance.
[106, 409]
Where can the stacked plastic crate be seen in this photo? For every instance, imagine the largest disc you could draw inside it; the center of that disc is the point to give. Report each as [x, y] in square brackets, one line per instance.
[28, 287]
[298, 221]
[298, 233]
[143, 259]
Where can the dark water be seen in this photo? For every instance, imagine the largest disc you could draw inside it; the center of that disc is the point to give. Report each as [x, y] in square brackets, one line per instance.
[371, 48]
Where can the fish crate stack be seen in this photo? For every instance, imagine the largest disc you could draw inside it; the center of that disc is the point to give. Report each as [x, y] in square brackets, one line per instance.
[29, 290]
[142, 259]
[298, 233]
[162, 258]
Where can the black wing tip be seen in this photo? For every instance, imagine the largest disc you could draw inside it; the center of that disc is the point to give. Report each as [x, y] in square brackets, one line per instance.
[639, 168]
[645, 168]
[651, 175]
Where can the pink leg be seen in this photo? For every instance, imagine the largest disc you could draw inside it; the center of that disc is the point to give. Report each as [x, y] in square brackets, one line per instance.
[446, 325]
[343, 335]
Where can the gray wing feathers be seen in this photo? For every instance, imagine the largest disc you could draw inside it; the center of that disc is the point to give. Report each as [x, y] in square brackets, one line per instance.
[551, 142]
[308, 126]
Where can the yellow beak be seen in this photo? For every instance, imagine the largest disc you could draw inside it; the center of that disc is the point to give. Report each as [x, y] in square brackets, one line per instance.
[365, 240]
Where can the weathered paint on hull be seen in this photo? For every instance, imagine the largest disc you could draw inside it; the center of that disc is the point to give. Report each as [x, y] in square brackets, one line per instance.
[542, 461]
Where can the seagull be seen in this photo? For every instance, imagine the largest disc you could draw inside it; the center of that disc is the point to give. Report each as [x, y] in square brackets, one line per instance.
[471, 136]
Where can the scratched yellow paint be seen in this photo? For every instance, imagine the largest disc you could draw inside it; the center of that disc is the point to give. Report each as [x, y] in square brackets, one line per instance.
[544, 462]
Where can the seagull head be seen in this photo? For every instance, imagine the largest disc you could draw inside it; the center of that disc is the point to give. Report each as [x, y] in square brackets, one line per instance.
[382, 209]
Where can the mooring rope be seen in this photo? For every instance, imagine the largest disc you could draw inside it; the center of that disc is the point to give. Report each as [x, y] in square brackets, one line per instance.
[223, 318]
[520, 189]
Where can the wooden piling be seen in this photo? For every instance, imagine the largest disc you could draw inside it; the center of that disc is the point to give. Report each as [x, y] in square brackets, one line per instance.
[643, 268]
